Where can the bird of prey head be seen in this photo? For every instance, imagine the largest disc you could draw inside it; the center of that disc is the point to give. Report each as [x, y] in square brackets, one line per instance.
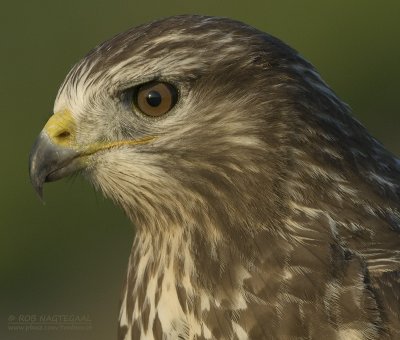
[263, 209]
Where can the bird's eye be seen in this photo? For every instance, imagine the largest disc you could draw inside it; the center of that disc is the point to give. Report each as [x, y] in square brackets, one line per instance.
[156, 98]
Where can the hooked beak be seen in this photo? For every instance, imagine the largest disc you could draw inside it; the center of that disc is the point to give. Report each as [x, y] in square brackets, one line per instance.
[49, 162]
[55, 153]
[53, 156]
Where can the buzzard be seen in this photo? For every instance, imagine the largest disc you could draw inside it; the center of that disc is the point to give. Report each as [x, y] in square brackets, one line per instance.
[262, 209]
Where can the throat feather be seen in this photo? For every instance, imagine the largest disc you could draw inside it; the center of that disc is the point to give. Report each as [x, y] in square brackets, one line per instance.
[160, 286]
[169, 294]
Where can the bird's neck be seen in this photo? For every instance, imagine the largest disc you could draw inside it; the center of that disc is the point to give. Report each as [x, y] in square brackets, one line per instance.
[174, 279]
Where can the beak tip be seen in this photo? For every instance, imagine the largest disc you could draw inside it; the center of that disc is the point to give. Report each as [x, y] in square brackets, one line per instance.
[37, 183]
[39, 192]
[36, 174]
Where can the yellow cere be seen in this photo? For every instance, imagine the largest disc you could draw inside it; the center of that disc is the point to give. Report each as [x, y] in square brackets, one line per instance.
[61, 129]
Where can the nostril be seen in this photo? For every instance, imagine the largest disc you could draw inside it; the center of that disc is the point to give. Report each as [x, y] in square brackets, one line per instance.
[63, 134]
[60, 128]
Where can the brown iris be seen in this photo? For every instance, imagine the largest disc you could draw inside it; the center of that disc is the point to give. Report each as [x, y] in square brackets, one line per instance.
[156, 98]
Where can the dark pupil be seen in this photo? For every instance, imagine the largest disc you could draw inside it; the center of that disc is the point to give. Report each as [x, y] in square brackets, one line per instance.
[154, 98]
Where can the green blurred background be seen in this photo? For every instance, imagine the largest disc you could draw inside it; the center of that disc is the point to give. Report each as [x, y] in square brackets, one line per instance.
[69, 255]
